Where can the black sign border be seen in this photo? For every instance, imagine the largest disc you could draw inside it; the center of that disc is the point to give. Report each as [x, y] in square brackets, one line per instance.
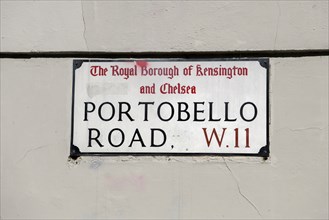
[263, 152]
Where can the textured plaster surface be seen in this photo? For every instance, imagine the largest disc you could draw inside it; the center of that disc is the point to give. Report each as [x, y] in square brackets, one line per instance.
[123, 26]
[39, 182]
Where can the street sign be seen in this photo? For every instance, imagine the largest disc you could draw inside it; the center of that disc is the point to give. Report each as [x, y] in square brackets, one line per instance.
[170, 106]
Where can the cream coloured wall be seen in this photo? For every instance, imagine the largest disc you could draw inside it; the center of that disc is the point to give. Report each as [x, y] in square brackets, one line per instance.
[39, 182]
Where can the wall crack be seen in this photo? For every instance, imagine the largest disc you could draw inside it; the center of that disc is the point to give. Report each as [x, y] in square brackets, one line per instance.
[277, 24]
[84, 26]
[240, 192]
[300, 129]
[31, 150]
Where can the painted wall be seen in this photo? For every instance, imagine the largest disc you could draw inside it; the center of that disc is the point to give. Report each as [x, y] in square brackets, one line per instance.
[38, 181]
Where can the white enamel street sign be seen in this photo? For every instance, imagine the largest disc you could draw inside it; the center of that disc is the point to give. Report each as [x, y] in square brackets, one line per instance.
[170, 107]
